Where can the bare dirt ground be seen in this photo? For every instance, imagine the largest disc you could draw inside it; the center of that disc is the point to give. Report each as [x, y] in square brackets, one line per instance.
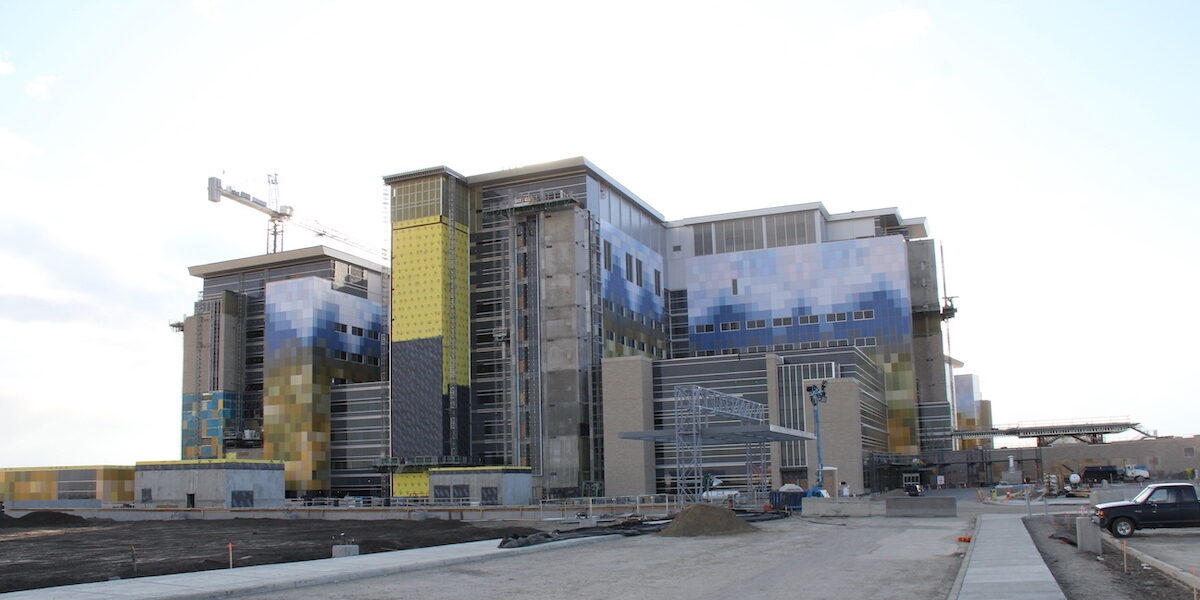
[51, 551]
[1082, 576]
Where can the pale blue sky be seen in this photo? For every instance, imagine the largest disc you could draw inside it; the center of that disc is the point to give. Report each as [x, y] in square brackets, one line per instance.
[1049, 145]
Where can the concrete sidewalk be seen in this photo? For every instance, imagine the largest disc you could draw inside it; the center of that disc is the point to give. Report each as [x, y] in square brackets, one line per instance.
[220, 583]
[1003, 563]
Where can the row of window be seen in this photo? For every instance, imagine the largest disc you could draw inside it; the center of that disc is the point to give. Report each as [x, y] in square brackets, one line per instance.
[633, 269]
[862, 342]
[352, 330]
[354, 357]
[635, 344]
[859, 315]
[634, 315]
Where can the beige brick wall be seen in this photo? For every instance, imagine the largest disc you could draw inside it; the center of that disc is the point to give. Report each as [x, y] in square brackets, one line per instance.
[628, 406]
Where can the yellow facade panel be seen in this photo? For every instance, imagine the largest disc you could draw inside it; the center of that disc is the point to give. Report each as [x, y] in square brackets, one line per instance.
[422, 290]
[410, 485]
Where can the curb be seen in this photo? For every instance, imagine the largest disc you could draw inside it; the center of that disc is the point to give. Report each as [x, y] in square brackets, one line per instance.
[1187, 579]
[966, 562]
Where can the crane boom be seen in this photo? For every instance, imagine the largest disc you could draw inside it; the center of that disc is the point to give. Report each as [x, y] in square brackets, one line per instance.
[334, 234]
[280, 214]
[277, 215]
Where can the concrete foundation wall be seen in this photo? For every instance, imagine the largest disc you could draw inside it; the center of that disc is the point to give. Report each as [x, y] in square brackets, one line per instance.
[926, 506]
[836, 507]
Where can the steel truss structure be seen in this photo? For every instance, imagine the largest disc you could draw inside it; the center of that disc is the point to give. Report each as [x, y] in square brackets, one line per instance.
[694, 407]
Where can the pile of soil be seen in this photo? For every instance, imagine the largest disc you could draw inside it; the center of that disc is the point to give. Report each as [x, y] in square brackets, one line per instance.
[706, 519]
[43, 518]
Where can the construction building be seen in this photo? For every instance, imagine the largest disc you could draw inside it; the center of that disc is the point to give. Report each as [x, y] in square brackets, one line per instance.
[482, 342]
[972, 412]
[66, 487]
[282, 351]
[510, 289]
[217, 483]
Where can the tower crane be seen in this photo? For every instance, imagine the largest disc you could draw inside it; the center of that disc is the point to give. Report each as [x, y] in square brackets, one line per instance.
[279, 215]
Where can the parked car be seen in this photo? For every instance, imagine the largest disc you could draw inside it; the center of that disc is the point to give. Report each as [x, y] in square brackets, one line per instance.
[1158, 505]
[914, 489]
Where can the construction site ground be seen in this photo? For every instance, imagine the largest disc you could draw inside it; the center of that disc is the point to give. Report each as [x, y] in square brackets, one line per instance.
[58, 549]
[871, 557]
[874, 557]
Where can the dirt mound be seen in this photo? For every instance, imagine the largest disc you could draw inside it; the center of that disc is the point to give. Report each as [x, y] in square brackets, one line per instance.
[706, 519]
[48, 518]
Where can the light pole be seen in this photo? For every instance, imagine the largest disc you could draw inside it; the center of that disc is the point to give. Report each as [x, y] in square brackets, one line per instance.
[817, 395]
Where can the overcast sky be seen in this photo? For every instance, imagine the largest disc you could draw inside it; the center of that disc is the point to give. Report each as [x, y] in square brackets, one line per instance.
[1051, 147]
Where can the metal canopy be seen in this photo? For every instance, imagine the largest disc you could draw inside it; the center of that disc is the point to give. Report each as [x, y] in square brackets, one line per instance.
[695, 410]
[727, 434]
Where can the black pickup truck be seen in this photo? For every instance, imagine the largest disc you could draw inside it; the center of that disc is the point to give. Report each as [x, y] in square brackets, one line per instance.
[1159, 505]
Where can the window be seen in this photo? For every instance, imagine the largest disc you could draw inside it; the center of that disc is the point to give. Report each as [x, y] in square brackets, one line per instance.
[612, 337]
[706, 353]
[835, 317]
[757, 349]
[339, 354]
[629, 267]
[810, 345]
[1189, 452]
[340, 327]
[864, 341]
[657, 282]
[241, 499]
[356, 358]
[607, 255]
[676, 248]
[729, 350]
[731, 326]
[779, 347]
[863, 315]
[147, 496]
[756, 324]
[781, 322]
[373, 361]
[702, 240]
[374, 335]
[637, 272]
[489, 495]
[807, 319]
[356, 331]
[641, 346]
[837, 343]
[705, 328]
[734, 286]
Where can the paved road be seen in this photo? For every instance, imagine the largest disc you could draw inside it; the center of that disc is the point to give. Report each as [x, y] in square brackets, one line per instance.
[874, 558]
